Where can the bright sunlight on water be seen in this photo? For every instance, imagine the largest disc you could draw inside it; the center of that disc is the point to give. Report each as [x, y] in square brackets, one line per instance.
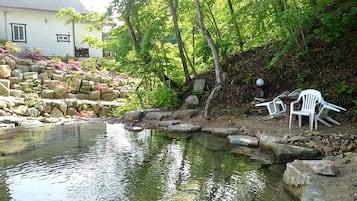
[103, 161]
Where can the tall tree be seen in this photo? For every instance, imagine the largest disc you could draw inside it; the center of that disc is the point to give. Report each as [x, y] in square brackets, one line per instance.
[235, 24]
[218, 68]
[179, 40]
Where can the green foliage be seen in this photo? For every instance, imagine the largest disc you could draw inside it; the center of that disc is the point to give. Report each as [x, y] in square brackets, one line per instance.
[31, 99]
[342, 87]
[2, 42]
[247, 80]
[165, 97]
[129, 104]
[300, 77]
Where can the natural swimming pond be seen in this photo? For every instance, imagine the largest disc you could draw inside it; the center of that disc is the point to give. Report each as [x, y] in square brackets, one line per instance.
[103, 161]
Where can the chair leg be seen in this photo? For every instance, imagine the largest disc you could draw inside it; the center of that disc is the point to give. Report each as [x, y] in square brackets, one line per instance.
[300, 124]
[311, 122]
[291, 115]
[315, 122]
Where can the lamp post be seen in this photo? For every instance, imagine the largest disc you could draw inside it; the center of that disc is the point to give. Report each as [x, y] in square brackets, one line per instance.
[260, 82]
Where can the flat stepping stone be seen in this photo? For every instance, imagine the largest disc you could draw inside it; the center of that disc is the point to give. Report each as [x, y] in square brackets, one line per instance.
[220, 131]
[184, 128]
[157, 115]
[243, 140]
[133, 128]
[168, 123]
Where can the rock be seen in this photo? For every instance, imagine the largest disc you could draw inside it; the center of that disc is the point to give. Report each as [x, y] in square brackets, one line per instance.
[133, 116]
[322, 167]
[243, 140]
[33, 112]
[82, 96]
[85, 89]
[3, 113]
[2, 125]
[255, 154]
[11, 62]
[71, 112]
[184, 128]
[20, 110]
[47, 93]
[4, 87]
[190, 102]
[286, 153]
[51, 84]
[300, 182]
[198, 86]
[110, 96]
[157, 116]
[221, 131]
[268, 141]
[168, 123]
[124, 93]
[5, 71]
[60, 92]
[133, 128]
[30, 75]
[36, 68]
[15, 80]
[94, 95]
[295, 175]
[185, 114]
[32, 123]
[58, 77]
[57, 113]
[17, 73]
[23, 68]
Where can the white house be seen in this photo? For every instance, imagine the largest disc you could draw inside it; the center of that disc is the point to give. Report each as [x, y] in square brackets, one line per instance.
[32, 24]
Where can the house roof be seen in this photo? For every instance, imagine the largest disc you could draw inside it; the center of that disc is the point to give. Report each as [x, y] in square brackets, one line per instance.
[45, 5]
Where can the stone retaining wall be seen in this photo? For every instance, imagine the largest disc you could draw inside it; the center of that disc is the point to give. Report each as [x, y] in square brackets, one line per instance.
[46, 88]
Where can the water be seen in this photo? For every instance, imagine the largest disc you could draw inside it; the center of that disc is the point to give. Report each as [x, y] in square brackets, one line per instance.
[103, 161]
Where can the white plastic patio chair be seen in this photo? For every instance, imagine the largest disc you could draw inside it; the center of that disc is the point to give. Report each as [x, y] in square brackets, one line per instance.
[276, 107]
[322, 114]
[296, 92]
[309, 98]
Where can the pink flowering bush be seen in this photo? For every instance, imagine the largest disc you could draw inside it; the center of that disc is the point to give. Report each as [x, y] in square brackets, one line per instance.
[86, 114]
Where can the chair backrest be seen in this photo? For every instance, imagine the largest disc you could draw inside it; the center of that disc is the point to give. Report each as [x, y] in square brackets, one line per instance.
[295, 93]
[309, 98]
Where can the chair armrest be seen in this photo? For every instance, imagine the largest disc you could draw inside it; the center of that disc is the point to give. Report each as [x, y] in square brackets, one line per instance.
[294, 102]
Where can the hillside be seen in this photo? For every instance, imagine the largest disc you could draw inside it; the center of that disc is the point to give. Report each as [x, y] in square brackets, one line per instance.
[330, 68]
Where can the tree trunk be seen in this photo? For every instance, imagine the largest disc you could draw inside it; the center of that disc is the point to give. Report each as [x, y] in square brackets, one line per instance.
[132, 33]
[218, 68]
[240, 40]
[179, 41]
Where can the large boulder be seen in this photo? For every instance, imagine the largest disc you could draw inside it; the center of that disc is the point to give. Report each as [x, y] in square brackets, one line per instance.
[286, 153]
[191, 102]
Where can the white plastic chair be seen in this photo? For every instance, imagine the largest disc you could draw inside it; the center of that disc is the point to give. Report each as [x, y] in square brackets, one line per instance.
[296, 92]
[309, 99]
[276, 107]
[322, 114]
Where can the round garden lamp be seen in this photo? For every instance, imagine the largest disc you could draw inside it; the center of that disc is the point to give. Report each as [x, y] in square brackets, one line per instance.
[260, 82]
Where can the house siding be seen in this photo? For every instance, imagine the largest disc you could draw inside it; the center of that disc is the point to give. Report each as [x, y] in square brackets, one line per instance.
[2, 25]
[41, 32]
[80, 30]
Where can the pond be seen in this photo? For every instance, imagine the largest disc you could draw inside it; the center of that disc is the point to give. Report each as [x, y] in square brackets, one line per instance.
[103, 161]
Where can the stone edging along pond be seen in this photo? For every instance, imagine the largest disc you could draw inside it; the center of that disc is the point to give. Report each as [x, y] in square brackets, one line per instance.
[307, 168]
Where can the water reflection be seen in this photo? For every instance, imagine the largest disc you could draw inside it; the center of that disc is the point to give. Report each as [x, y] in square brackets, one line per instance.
[101, 161]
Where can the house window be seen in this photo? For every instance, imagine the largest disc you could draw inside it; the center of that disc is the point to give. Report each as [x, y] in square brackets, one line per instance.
[63, 38]
[18, 32]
